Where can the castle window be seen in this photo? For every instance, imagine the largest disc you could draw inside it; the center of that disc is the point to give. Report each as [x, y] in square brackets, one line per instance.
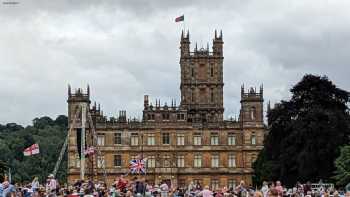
[214, 139]
[231, 161]
[134, 139]
[166, 138]
[197, 139]
[100, 161]
[253, 113]
[77, 161]
[202, 72]
[192, 95]
[118, 138]
[212, 95]
[214, 184]
[211, 71]
[166, 116]
[253, 140]
[231, 140]
[231, 184]
[151, 162]
[151, 141]
[150, 116]
[197, 161]
[215, 161]
[192, 72]
[180, 139]
[117, 160]
[100, 140]
[180, 161]
[166, 160]
[181, 116]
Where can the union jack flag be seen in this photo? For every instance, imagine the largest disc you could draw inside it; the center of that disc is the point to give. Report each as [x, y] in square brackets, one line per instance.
[137, 166]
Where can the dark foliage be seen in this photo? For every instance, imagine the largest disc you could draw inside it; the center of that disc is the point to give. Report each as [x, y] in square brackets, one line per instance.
[48, 133]
[305, 133]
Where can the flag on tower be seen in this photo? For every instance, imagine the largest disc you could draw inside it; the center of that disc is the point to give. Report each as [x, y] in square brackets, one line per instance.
[180, 18]
[31, 150]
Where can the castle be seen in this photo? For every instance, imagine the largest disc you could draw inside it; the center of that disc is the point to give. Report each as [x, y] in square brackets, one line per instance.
[182, 143]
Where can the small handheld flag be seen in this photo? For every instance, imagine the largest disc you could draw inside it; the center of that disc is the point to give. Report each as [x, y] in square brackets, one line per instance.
[137, 166]
[31, 150]
[180, 18]
[89, 151]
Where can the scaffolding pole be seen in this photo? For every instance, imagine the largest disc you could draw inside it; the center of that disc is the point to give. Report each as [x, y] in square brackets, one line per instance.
[82, 148]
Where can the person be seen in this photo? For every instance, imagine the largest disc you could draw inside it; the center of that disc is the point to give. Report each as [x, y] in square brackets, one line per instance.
[206, 192]
[164, 189]
[139, 188]
[265, 188]
[35, 184]
[273, 193]
[240, 189]
[198, 186]
[1, 188]
[148, 189]
[52, 184]
[347, 194]
[259, 193]
[121, 184]
[8, 189]
[279, 188]
[190, 188]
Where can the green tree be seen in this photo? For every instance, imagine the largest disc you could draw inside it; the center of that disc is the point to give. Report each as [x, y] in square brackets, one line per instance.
[49, 134]
[305, 133]
[342, 164]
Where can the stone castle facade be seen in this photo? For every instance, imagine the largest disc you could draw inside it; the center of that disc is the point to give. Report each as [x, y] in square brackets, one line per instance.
[182, 143]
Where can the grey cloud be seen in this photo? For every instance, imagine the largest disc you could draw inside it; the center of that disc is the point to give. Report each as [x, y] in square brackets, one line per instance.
[125, 49]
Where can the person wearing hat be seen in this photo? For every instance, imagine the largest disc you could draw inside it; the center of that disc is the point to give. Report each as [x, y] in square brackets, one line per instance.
[52, 184]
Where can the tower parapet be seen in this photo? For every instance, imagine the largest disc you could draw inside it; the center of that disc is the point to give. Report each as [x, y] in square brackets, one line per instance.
[76, 99]
[252, 106]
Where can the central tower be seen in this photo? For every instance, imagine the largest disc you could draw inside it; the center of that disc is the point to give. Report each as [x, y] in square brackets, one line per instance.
[202, 80]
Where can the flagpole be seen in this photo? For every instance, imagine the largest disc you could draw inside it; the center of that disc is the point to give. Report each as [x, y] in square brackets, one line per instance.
[10, 177]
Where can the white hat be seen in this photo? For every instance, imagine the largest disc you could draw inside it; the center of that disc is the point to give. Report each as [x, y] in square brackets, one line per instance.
[51, 176]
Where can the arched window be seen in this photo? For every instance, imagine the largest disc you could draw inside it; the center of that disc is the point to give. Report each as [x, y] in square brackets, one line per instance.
[193, 95]
[253, 113]
[212, 95]
[253, 139]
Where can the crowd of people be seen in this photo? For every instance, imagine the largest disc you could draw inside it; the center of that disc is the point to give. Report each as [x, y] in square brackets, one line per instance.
[142, 188]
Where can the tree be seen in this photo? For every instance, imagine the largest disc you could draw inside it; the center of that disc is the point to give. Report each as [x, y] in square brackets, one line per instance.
[305, 133]
[342, 164]
[50, 136]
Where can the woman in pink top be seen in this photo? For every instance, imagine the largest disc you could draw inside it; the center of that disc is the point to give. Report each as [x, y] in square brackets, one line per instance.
[206, 192]
[279, 188]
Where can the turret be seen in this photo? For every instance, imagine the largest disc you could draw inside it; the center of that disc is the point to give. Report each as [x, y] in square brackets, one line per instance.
[145, 101]
[185, 44]
[77, 99]
[218, 44]
[252, 105]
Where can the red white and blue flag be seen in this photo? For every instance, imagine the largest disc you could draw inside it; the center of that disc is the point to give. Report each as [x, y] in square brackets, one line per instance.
[180, 18]
[137, 166]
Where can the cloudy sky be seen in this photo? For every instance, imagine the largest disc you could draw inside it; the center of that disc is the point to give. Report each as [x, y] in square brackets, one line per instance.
[125, 49]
